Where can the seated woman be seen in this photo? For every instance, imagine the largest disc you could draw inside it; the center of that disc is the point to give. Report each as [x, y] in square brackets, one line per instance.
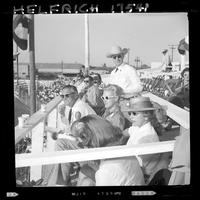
[140, 110]
[93, 131]
[111, 96]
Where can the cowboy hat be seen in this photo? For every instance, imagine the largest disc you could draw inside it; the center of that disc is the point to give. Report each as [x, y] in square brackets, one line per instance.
[165, 51]
[116, 50]
[138, 104]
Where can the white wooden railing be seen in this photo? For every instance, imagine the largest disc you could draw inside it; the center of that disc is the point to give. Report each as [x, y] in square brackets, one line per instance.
[40, 156]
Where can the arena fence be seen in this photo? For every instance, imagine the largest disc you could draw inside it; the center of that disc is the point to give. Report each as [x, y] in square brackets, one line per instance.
[42, 145]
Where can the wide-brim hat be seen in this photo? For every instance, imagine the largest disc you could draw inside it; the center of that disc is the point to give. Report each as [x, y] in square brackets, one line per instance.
[116, 50]
[130, 95]
[138, 104]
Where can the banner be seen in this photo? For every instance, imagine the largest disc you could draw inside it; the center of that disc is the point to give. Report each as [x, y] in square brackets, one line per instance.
[20, 31]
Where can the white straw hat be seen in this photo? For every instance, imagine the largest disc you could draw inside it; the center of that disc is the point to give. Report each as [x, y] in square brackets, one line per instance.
[116, 50]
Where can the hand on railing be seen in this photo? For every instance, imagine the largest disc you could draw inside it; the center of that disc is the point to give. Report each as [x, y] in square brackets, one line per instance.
[54, 132]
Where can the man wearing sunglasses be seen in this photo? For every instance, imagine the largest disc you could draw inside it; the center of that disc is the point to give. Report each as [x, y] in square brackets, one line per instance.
[123, 75]
[93, 95]
[71, 110]
[76, 107]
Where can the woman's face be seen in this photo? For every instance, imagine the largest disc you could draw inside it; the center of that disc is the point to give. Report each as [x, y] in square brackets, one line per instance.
[137, 118]
[118, 60]
[109, 99]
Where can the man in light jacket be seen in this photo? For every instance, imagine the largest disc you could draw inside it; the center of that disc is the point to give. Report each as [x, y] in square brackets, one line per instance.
[123, 75]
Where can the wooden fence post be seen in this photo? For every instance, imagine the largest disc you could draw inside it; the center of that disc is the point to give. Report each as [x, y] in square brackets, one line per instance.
[51, 122]
[37, 148]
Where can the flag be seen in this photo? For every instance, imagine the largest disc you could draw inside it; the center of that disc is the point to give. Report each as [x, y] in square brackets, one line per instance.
[20, 31]
[183, 46]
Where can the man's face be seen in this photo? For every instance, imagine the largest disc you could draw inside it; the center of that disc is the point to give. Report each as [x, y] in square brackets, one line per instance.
[87, 82]
[117, 60]
[69, 96]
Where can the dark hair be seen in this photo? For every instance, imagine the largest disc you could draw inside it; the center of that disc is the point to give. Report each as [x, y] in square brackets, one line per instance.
[96, 131]
[184, 70]
[72, 87]
[90, 78]
[98, 76]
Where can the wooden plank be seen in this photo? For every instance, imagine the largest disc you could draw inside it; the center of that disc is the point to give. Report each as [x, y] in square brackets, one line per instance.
[37, 148]
[52, 122]
[35, 119]
[178, 114]
[44, 158]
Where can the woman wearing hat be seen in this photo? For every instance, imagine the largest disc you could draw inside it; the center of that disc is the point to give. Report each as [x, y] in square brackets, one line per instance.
[140, 111]
[123, 75]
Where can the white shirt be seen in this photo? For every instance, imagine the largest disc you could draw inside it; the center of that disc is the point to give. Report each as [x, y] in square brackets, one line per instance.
[83, 108]
[127, 78]
[79, 106]
[140, 135]
[119, 172]
[143, 134]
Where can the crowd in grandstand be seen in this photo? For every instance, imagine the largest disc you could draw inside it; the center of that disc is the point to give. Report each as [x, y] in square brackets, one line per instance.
[92, 115]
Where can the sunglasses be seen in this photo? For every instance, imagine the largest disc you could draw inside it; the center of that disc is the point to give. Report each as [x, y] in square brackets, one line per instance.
[114, 57]
[106, 98]
[66, 95]
[133, 113]
[86, 81]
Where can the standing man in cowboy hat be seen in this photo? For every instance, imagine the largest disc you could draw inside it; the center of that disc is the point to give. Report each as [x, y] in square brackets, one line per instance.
[124, 75]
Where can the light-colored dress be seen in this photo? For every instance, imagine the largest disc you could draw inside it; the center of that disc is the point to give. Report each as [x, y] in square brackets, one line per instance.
[119, 172]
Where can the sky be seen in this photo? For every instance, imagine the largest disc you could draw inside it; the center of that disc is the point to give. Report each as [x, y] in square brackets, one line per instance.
[61, 37]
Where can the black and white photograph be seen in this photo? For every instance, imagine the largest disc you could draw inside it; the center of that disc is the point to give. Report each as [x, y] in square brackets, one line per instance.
[101, 99]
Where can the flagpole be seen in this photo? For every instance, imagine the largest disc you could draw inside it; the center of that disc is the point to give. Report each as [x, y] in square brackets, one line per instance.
[17, 65]
[32, 66]
[87, 51]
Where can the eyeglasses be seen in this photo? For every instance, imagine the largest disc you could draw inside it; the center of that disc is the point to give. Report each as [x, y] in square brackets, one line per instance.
[133, 113]
[66, 95]
[106, 98]
[119, 56]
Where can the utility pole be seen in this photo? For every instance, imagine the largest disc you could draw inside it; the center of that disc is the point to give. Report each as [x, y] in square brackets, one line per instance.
[32, 66]
[137, 60]
[17, 64]
[172, 47]
[62, 67]
[128, 56]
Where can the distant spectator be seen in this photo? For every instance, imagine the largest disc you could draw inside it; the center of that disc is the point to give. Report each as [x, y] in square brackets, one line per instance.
[93, 95]
[88, 81]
